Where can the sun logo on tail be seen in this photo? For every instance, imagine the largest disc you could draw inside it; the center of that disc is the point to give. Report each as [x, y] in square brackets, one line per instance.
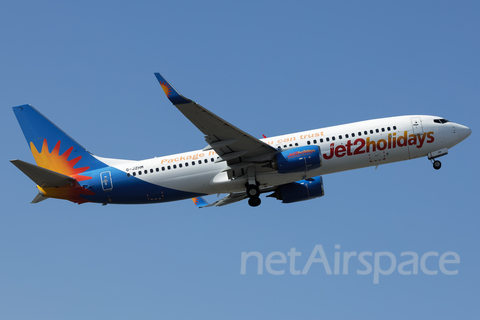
[58, 163]
[166, 88]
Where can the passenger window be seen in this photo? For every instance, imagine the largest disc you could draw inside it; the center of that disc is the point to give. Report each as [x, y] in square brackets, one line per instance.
[199, 161]
[134, 174]
[193, 163]
[139, 173]
[212, 160]
[359, 134]
[383, 129]
[377, 131]
[157, 169]
[186, 164]
[394, 127]
[333, 138]
[128, 175]
[151, 170]
[365, 132]
[169, 167]
[340, 137]
[179, 165]
[308, 142]
[346, 135]
[163, 168]
[315, 141]
[206, 161]
[328, 139]
[388, 128]
[321, 140]
[353, 135]
[296, 144]
[371, 131]
[174, 166]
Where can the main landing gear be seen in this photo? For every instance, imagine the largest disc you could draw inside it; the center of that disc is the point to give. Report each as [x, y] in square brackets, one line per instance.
[253, 192]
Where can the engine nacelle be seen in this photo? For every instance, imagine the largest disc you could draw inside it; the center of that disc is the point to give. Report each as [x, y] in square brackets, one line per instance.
[298, 159]
[300, 190]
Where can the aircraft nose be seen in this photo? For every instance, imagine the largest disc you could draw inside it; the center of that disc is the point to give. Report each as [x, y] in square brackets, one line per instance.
[464, 132]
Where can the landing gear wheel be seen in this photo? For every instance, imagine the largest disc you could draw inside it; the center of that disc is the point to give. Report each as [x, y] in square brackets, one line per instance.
[254, 202]
[253, 191]
[437, 165]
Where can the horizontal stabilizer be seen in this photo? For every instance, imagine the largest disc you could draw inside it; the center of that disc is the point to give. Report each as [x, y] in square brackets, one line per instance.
[39, 198]
[43, 177]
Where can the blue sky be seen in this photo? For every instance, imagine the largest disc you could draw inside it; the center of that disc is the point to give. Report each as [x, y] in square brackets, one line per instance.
[269, 68]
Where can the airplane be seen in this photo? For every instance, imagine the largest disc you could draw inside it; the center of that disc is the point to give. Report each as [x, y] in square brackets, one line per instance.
[289, 167]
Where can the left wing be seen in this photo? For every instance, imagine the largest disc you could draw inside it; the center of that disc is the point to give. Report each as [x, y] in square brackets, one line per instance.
[231, 144]
[230, 198]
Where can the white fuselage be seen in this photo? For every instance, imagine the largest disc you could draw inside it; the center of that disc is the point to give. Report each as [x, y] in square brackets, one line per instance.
[343, 147]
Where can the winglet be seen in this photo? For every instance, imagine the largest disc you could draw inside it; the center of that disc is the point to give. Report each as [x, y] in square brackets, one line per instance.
[200, 202]
[172, 94]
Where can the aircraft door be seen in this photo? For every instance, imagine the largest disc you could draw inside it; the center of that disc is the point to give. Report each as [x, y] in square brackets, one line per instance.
[106, 180]
[417, 125]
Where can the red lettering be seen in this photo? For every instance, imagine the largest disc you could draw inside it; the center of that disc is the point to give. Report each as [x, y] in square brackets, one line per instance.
[421, 139]
[381, 144]
[430, 137]
[412, 140]
[340, 151]
[349, 145]
[371, 143]
[329, 156]
[404, 139]
[359, 150]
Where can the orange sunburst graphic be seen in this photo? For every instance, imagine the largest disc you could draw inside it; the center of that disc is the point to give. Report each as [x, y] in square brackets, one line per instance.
[58, 163]
[166, 88]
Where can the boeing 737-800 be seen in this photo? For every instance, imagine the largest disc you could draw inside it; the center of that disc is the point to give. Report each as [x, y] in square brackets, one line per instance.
[289, 167]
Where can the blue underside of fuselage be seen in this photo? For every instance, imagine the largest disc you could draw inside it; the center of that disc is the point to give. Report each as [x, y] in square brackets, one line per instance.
[121, 189]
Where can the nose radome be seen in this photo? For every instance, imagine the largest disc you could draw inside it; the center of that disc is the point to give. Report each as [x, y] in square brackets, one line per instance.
[463, 132]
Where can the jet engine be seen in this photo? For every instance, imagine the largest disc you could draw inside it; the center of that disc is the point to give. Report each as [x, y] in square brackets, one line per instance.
[300, 190]
[298, 159]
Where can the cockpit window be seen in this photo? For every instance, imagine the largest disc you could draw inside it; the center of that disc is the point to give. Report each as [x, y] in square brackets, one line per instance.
[440, 120]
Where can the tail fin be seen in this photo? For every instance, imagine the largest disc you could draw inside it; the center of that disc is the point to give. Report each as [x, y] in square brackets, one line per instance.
[52, 148]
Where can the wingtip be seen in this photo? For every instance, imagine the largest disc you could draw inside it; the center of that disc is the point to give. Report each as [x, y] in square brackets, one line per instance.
[172, 94]
[200, 202]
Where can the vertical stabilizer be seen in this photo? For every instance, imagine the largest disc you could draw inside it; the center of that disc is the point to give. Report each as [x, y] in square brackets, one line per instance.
[52, 148]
